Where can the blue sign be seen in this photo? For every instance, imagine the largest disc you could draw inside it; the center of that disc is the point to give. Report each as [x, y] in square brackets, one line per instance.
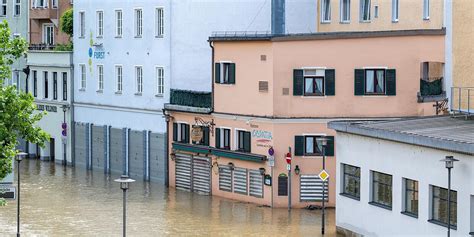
[96, 54]
[90, 52]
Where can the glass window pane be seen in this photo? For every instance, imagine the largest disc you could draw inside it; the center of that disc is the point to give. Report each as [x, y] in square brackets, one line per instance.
[308, 85]
[309, 145]
[369, 81]
[380, 83]
[318, 86]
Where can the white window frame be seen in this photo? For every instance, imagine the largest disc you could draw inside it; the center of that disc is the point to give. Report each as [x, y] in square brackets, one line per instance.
[222, 137]
[426, 9]
[361, 10]
[99, 16]
[55, 3]
[118, 23]
[17, 4]
[100, 77]
[138, 80]
[45, 35]
[160, 80]
[159, 22]
[119, 78]
[83, 76]
[138, 22]
[82, 24]
[325, 17]
[222, 72]
[395, 10]
[341, 11]
[4, 4]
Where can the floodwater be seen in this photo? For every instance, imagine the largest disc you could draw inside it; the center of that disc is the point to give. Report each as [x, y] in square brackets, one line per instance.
[60, 201]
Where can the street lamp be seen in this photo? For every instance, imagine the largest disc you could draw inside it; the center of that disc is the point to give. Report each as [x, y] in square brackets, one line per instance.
[18, 158]
[449, 161]
[64, 134]
[324, 143]
[124, 181]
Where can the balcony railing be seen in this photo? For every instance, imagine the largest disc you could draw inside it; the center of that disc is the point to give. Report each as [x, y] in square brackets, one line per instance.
[42, 47]
[191, 98]
[431, 90]
[462, 100]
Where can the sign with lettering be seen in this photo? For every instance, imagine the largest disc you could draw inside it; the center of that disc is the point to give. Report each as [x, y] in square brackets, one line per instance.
[7, 191]
[196, 134]
[263, 138]
[49, 108]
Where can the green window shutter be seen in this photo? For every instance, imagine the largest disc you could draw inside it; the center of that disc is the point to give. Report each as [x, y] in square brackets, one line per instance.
[175, 132]
[359, 82]
[298, 82]
[390, 80]
[186, 132]
[247, 145]
[329, 150]
[330, 82]
[232, 73]
[205, 137]
[218, 138]
[299, 145]
[217, 74]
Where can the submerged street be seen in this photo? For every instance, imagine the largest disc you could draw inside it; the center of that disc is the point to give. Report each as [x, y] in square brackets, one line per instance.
[60, 201]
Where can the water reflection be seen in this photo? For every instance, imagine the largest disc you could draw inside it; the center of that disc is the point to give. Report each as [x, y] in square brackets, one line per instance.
[59, 201]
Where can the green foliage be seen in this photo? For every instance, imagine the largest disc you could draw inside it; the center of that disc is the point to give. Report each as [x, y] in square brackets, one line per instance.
[64, 47]
[2, 202]
[17, 109]
[67, 22]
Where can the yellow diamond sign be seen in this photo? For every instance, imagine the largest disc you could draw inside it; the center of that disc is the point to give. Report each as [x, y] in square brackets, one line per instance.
[323, 175]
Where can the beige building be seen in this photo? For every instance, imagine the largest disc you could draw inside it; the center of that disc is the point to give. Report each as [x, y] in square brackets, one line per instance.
[373, 15]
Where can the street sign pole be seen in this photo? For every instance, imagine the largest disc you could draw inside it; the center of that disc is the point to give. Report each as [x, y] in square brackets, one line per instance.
[324, 192]
[289, 180]
[271, 153]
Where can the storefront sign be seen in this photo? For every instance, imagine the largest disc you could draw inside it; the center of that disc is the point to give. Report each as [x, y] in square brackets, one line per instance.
[263, 138]
[267, 180]
[196, 134]
[48, 108]
[7, 191]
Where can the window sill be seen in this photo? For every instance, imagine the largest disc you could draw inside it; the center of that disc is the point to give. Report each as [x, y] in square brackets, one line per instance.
[375, 96]
[118, 93]
[225, 84]
[138, 94]
[325, 22]
[381, 205]
[314, 96]
[82, 89]
[99, 37]
[365, 21]
[159, 96]
[426, 19]
[453, 227]
[409, 214]
[159, 36]
[394, 21]
[137, 37]
[118, 36]
[99, 91]
[81, 37]
[344, 22]
[350, 196]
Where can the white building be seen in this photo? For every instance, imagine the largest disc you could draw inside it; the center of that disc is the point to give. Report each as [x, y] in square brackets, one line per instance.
[129, 54]
[392, 182]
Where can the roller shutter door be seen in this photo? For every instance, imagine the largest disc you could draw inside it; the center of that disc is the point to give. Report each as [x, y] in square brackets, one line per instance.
[311, 188]
[225, 178]
[80, 151]
[157, 156]
[136, 154]
[201, 180]
[183, 168]
[116, 151]
[255, 183]
[240, 180]
[98, 148]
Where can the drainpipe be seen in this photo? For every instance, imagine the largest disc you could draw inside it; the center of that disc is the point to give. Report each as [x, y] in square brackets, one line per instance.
[211, 44]
[167, 168]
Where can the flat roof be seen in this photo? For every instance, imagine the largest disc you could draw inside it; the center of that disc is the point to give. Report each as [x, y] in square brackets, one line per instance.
[258, 36]
[441, 132]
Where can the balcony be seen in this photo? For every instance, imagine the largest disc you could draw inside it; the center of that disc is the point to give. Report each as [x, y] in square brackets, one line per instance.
[190, 101]
[462, 100]
[431, 90]
[43, 13]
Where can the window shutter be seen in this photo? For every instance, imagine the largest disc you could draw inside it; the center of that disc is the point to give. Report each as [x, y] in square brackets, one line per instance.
[186, 133]
[299, 145]
[390, 78]
[247, 146]
[217, 74]
[329, 150]
[359, 82]
[298, 82]
[232, 73]
[218, 138]
[175, 132]
[330, 82]
[205, 131]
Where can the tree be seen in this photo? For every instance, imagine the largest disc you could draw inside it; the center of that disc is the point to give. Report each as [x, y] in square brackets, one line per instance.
[67, 22]
[17, 109]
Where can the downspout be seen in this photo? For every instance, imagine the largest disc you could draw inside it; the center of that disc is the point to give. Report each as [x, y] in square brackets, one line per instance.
[167, 168]
[211, 44]
[71, 111]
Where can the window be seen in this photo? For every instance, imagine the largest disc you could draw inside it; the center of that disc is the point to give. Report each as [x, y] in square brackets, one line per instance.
[119, 76]
[139, 79]
[3, 10]
[351, 181]
[46, 92]
[439, 206]
[160, 81]
[35, 83]
[40, 3]
[311, 145]
[325, 11]
[83, 76]
[381, 189]
[64, 86]
[82, 24]
[410, 197]
[395, 10]
[138, 22]
[48, 34]
[55, 85]
[225, 73]
[55, 3]
[313, 82]
[17, 8]
[426, 9]
[100, 78]
[100, 23]
[118, 23]
[159, 22]
[15, 79]
[181, 132]
[375, 81]
[243, 141]
[223, 138]
[345, 10]
[364, 10]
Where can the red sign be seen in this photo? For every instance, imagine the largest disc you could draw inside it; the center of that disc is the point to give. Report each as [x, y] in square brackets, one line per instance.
[288, 158]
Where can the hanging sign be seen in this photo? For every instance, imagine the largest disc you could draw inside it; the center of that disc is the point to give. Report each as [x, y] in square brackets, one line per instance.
[267, 180]
[196, 134]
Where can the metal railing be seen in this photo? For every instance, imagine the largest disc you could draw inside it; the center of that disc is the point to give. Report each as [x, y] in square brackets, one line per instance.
[41, 47]
[191, 98]
[244, 34]
[462, 100]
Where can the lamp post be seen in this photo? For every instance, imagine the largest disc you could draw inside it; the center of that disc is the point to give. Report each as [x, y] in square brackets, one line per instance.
[324, 142]
[124, 181]
[18, 158]
[64, 134]
[449, 161]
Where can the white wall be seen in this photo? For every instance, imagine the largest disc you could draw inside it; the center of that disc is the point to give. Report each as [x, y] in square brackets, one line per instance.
[401, 161]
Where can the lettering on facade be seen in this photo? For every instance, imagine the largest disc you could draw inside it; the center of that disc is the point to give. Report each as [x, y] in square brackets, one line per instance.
[99, 55]
[263, 138]
[48, 108]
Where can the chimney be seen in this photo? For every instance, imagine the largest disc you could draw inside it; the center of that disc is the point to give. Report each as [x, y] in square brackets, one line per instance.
[278, 17]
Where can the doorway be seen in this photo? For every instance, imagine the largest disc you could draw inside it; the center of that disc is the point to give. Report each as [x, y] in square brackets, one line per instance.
[51, 149]
[48, 34]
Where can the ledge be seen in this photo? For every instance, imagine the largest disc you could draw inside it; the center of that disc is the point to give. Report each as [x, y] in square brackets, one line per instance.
[192, 148]
[381, 205]
[239, 155]
[350, 196]
[453, 227]
[409, 214]
[190, 109]
[431, 98]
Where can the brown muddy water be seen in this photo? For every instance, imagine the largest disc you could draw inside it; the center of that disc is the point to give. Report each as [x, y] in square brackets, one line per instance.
[60, 201]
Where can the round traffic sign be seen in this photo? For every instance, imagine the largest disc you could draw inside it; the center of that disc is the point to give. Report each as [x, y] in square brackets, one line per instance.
[271, 152]
[288, 158]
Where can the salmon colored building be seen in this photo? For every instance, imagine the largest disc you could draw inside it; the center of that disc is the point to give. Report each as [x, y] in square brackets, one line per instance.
[278, 93]
[45, 29]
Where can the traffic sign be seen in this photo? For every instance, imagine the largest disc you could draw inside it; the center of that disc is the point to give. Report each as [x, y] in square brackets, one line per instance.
[271, 161]
[271, 152]
[288, 167]
[288, 158]
[64, 131]
[323, 175]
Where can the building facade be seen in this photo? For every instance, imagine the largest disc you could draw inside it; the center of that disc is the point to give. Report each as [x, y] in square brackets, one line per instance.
[125, 68]
[44, 22]
[272, 92]
[391, 174]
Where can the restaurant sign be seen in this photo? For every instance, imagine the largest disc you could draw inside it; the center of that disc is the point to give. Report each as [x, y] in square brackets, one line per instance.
[48, 108]
[263, 138]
